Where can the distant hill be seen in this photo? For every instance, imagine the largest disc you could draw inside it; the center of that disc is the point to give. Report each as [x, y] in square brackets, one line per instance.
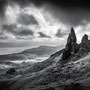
[40, 51]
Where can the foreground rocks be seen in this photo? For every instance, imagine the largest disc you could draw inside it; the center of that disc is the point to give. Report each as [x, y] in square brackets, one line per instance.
[11, 71]
[75, 86]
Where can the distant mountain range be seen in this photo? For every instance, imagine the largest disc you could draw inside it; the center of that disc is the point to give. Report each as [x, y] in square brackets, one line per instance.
[40, 51]
[67, 69]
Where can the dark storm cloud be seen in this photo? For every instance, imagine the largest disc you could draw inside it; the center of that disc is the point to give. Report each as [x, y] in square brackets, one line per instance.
[72, 17]
[16, 31]
[3, 37]
[9, 28]
[25, 33]
[3, 3]
[59, 34]
[27, 19]
[42, 35]
[60, 3]
[71, 12]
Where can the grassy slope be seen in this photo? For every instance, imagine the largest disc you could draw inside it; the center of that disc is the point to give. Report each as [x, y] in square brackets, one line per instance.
[30, 53]
[47, 75]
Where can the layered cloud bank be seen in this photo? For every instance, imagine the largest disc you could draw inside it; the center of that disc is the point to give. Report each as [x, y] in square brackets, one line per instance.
[29, 22]
[39, 23]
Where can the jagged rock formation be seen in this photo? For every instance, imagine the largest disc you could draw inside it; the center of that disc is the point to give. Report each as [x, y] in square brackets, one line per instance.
[84, 47]
[72, 36]
[84, 39]
[71, 47]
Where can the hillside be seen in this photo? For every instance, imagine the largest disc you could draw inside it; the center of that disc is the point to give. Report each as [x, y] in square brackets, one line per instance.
[67, 69]
[40, 51]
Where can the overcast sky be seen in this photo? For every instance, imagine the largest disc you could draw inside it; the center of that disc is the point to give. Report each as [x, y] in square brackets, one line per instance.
[28, 23]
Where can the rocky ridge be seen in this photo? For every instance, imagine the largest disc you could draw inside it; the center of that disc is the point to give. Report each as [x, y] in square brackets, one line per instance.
[52, 74]
[71, 47]
[74, 50]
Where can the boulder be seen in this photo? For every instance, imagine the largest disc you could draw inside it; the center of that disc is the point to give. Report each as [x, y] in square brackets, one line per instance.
[11, 71]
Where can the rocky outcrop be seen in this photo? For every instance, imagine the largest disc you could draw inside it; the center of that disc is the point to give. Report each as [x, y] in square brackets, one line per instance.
[84, 39]
[11, 71]
[71, 47]
[73, 50]
[72, 36]
[84, 47]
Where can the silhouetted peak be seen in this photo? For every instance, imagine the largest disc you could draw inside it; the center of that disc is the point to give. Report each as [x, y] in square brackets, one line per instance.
[73, 35]
[71, 46]
[69, 38]
[72, 29]
[84, 38]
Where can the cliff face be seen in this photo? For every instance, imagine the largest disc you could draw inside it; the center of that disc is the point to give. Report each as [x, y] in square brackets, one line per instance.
[84, 39]
[74, 50]
[85, 43]
[71, 47]
[84, 47]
